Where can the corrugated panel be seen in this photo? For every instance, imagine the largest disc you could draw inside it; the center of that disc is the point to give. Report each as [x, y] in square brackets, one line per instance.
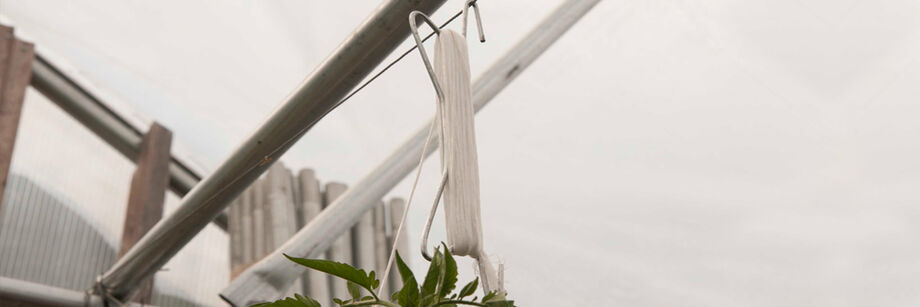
[43, 240]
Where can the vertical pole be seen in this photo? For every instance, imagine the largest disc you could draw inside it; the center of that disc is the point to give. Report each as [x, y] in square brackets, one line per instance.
[15, 72]
[381, 247]
[258, 221]
[397, 207]
[246, 228]
[340, 250]
[148, 192]
[279, 196]
[363, 243]
[235, 230]
[312, 203]
[268, 225]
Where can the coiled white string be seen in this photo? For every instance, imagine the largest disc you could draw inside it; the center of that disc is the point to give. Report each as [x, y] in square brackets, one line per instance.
[459, 156]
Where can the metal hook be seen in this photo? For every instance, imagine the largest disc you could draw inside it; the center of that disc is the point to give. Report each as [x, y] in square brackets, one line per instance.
[434, 209]
[413, 25]
[466, 6]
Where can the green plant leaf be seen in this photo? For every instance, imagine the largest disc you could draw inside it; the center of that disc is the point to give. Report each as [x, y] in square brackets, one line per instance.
[337, 269]
[354, 290]
[404, 272]
[300, 301]
[489, 296]
[448, 281]
[307, 300]
[408, 295]
[429, 286]
[470, 288]
[499, 304]
[374, 282]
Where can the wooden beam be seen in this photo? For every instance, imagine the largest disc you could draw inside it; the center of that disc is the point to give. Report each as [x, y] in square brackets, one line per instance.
[15, 72]
[147, 195]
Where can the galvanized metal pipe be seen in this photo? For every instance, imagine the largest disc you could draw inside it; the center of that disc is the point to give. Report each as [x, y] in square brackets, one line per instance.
[267, 279]
[89, 110]
[20, 292]
[354, 59]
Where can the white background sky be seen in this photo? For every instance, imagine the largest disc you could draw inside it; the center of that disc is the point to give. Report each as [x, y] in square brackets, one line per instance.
[685, 152]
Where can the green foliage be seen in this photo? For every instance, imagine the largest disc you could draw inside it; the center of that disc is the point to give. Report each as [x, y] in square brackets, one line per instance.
[297, 301]
[436, 290]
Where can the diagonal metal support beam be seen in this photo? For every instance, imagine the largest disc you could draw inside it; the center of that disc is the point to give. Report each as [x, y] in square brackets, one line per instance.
[384, 30]
[268, 279]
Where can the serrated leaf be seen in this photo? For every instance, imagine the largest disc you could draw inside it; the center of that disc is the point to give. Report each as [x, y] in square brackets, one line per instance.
[337, 269]
[408, 295]
[430, 285]
[448, 281]
[470, 288]
[489, 296]
[306, 300]
[404, 272]
[354, 290]
[374, 282]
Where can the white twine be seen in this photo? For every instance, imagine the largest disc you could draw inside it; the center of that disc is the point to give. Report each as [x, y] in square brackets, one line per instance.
[459, 157]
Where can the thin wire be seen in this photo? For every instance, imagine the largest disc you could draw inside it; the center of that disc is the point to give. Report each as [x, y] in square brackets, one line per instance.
[268, 157]
[385, 68]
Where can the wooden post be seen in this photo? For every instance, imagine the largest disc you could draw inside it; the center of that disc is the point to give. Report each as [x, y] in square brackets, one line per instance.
[340, 250]
[317, 283]
[15, 72]
[148, 192]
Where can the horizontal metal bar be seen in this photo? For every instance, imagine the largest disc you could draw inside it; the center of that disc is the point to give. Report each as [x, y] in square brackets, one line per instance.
[92, 112]
[384, 30]
[268, 278]
[20, 292]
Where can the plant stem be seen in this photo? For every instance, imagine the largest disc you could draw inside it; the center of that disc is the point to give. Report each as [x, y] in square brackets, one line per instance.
[458, 302]
[371, 303]
[372, 293]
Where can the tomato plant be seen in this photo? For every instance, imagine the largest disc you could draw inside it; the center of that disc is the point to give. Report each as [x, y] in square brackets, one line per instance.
[436, 290]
